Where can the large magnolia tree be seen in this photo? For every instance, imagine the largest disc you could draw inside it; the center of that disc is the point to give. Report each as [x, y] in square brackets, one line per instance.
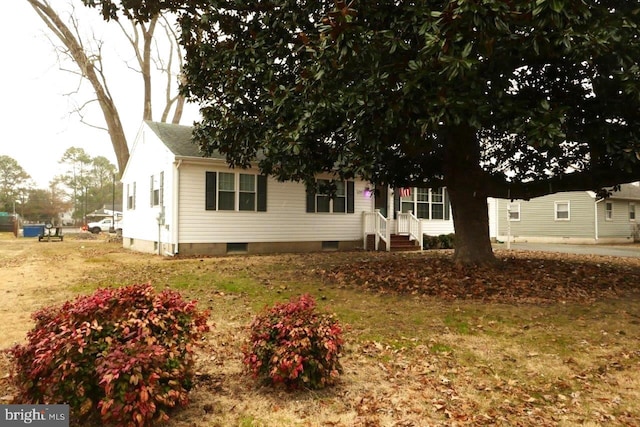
[510, 99]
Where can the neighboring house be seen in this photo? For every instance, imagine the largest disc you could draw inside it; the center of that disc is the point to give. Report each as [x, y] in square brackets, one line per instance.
[571, 217]
[106, 212]
[176, 201]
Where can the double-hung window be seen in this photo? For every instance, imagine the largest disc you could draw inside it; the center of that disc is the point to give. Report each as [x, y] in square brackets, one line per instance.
[226, 191]
[331, 197]
[632, 211]
[229, 191]
[513, 211]
[427, 203]
[562, 211]
[156, 188]
[608, 211]
[131, 196]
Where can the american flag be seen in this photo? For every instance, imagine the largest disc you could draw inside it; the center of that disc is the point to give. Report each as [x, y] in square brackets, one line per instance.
[405, 192]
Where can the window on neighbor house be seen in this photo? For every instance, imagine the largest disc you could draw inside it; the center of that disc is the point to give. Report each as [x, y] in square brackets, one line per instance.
[228, 191]
[513, 211]
[632, 211]
[426, 203]
[131, 196]
[331, 197]
[156, 189]
[562, 211]
[608, 211]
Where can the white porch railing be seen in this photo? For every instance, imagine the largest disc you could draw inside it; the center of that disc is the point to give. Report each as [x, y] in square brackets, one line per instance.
[375, 223]
[409, 224]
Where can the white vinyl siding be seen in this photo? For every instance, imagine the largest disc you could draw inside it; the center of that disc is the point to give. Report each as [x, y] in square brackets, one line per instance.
[285, 219]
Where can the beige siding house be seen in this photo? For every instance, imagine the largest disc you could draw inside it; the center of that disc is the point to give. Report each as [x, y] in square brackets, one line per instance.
[177, 202]
[571, 217]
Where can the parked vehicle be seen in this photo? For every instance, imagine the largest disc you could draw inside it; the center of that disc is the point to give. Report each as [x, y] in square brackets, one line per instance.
[105, 224]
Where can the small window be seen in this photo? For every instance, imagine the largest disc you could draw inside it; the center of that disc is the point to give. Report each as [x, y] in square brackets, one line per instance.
[608, 211]
[513, 211]
[632, 211]
[155, 188]
[237, 247]
[131, 196]
[562, 211]
[330, 245]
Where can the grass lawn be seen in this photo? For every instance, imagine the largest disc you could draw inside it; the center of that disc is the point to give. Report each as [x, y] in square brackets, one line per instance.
[543, 340]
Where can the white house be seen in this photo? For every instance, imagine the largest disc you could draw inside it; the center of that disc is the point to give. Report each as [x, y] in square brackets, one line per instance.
[176, 201]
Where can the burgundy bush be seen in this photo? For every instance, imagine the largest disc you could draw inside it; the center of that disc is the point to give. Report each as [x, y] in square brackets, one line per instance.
[122, 355]
[293, 345]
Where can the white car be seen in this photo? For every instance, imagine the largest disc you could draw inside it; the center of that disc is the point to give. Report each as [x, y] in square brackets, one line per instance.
[105, 224]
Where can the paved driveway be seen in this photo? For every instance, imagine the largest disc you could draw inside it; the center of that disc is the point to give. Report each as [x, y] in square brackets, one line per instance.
[629, 250]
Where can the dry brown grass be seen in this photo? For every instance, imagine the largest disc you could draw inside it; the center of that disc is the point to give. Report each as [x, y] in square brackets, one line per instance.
[411, 359]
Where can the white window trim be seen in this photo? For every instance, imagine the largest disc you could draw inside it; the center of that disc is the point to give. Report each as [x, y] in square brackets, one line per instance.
[429, 203]
[331, 199]
[555, 210]
[236, 191]
[606, 211]
[510, 210]
[635, 213]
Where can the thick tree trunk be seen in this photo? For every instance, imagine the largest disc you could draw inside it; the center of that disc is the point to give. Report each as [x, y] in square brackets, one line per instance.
[465, 181]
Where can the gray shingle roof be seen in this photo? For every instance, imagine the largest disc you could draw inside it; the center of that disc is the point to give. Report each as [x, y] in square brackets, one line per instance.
[627, 191]
[177, 138]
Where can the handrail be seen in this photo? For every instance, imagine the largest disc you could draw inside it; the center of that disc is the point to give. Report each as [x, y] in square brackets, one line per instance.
[383, 231]
[411, 225]
[415, 229]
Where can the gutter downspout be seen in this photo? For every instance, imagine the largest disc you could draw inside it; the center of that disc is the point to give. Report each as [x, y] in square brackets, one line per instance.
[175, 207]
[596, 218]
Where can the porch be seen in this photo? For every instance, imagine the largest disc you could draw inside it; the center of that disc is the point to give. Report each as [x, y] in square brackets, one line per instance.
[404, 232]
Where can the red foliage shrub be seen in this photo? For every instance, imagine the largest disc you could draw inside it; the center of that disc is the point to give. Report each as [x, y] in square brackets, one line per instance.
[124, 355]
[292, 344]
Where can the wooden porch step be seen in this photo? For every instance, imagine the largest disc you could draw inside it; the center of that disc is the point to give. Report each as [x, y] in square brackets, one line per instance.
[398, 243]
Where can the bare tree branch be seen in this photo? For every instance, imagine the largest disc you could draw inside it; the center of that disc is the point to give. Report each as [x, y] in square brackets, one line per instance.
[90, 72]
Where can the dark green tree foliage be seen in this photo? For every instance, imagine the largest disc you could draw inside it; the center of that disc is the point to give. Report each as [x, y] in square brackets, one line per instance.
[510, 99]
[14, 181]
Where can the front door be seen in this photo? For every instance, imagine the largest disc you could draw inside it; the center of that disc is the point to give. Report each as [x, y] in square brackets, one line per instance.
[381, 195]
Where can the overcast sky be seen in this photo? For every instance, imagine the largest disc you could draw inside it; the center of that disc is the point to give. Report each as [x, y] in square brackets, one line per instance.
[37, 126]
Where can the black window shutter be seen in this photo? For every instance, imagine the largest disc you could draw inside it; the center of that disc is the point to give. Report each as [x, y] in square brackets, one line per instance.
[262, 193]
[396, 201]
[210, 191]
[350, 197]
[311, 200]
[447, 203]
